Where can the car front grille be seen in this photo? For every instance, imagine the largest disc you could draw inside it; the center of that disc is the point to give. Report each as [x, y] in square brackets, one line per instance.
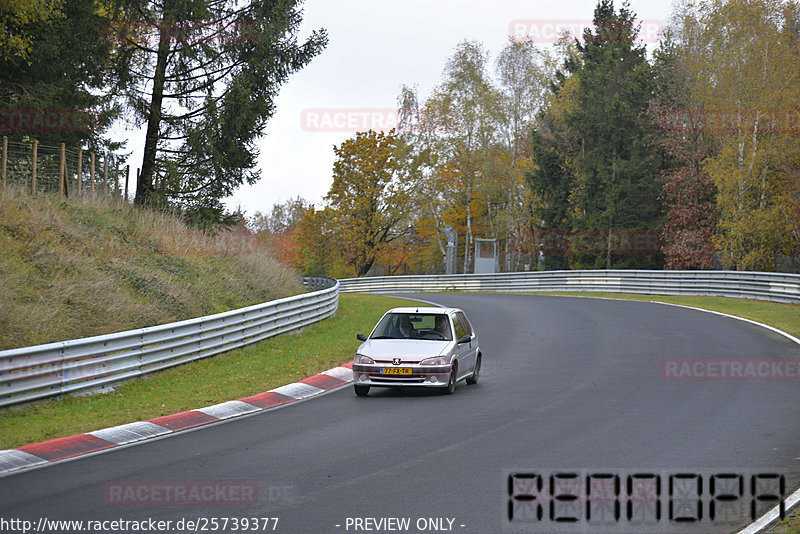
[403, 378]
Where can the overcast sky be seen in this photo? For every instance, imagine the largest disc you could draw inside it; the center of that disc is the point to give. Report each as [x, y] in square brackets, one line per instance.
[375, 46]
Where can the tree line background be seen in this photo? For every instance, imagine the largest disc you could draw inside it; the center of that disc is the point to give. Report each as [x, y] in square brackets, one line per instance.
[696, 145]
[588, 144]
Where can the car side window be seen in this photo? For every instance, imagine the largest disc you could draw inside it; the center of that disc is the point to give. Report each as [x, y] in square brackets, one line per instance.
[467, 327]
[459, 326]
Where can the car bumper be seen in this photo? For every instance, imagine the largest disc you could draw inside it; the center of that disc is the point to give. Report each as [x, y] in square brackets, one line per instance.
[421, 376]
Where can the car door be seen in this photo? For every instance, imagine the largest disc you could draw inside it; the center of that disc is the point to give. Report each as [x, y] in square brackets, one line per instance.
[475, 344]
[466, 352]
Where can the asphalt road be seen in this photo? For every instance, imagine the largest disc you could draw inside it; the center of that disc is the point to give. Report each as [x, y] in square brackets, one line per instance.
[568, 385]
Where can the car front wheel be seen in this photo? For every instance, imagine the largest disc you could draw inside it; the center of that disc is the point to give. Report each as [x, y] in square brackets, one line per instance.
[361, 391]
[451, 382]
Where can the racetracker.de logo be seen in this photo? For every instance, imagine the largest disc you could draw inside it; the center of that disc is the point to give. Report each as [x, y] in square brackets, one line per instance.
[181, 493]
[349, 119]
[550, 30]
[730, 369]
[48, 120]
[597, 242]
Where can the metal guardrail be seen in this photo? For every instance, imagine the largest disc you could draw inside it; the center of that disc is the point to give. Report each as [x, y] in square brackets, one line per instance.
[777, 287]
[32, 373]
[317, 283]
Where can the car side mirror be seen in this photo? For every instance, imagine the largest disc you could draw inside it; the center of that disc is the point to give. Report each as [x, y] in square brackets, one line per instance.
[361, 337]
[464, 339]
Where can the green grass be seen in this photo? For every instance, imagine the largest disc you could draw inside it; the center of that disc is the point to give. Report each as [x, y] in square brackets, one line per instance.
[777, 314]
[790, 525]
[239, 373]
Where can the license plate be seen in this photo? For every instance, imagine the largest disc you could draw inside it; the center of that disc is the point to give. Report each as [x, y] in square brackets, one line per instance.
[395, 370]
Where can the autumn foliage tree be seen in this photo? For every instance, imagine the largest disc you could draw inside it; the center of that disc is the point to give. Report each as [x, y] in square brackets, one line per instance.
[524, 73]
[16, 19]
[696, 143]
[469, 150]
[279, 229]
[743, 59]
[369, 196]
[470, 111]
[319, 244]
[688, 194]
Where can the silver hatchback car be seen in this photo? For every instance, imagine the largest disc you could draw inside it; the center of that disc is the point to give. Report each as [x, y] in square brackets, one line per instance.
[421, 347]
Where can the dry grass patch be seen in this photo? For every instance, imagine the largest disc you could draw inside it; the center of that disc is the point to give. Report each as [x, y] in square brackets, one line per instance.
[71, 269]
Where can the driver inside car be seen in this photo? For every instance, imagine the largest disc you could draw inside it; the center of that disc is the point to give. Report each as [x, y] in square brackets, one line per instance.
[443, 327]
[403, 330]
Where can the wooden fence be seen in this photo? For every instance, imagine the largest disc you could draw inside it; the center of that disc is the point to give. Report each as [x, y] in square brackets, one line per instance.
[51, 168]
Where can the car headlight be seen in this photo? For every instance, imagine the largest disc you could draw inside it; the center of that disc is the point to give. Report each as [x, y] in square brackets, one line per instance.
[364, 360]
[438, 360]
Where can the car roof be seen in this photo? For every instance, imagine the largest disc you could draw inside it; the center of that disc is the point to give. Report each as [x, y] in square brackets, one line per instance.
[428, 309]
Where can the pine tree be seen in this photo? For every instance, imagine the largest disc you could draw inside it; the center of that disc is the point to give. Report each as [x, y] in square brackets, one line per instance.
[203, 76]
[618, 183]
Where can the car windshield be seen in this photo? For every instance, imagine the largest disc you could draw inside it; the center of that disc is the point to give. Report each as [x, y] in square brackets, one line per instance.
[430, 326]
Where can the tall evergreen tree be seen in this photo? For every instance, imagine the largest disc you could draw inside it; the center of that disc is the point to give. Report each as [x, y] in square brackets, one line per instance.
[618, 184]
[203, 76]
[553, 176]
[551, 181]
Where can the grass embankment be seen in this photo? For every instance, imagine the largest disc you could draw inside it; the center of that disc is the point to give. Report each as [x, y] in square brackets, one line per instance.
[71, 269]
[790, 525]
[239, 373]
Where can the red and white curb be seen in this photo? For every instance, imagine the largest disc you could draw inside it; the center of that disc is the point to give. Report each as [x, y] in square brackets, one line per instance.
[38, 454]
